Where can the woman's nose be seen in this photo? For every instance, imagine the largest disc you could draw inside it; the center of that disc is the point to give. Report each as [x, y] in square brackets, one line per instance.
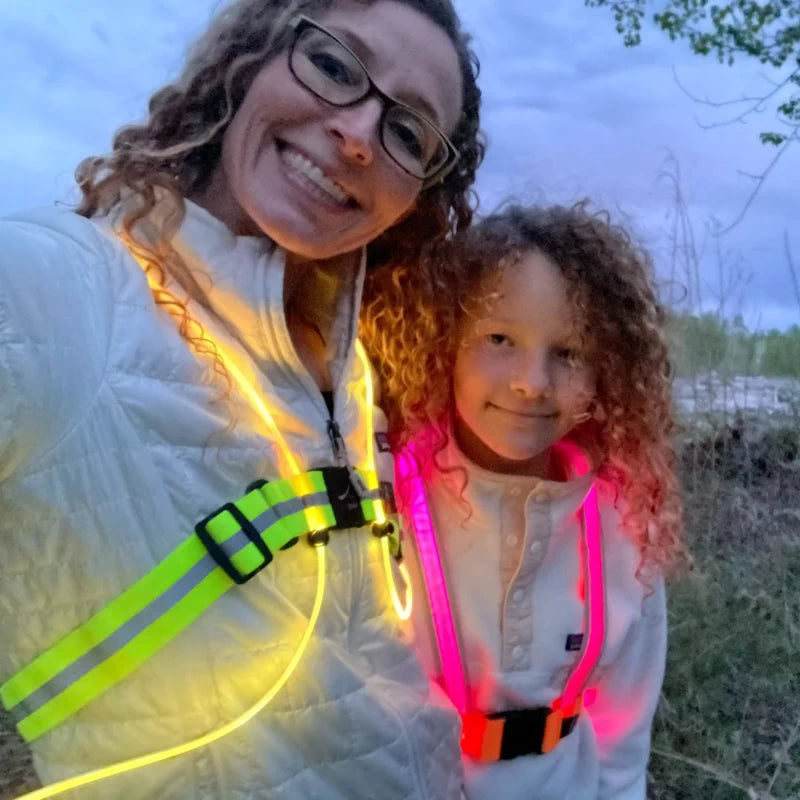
[356, 130]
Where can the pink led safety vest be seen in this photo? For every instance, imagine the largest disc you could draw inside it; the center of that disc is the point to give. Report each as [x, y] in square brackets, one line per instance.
[489, 737]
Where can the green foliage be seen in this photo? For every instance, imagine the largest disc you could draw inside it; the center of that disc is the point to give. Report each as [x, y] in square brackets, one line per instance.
[772, 138]
[728, 726]
[781, 354]
[710, 343]
[768, 32]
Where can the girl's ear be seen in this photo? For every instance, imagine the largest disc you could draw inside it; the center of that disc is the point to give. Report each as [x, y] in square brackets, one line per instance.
[594, 411]
[597, 411]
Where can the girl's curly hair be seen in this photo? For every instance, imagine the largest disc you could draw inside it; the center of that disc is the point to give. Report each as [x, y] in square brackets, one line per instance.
[173, 154]
[411, 327]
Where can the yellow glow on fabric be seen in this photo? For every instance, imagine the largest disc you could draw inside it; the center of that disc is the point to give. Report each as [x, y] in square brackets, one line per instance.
[316, 522]
[403, 609]
[202, 741]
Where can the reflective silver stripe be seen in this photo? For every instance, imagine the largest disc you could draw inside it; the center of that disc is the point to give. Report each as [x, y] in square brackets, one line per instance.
[264, 521]
[316, 499]
[157, 607]
[269, 517]
[117, 640]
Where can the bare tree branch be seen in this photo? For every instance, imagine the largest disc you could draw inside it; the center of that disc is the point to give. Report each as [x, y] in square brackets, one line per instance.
[760, 179]
[758, 103]
[792, 270]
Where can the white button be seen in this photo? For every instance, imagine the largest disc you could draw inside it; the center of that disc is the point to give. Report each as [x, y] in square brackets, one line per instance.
[518, 595]
[515, 491]
[541, 495]
[511, 539]
[535, 547]
[517, 653]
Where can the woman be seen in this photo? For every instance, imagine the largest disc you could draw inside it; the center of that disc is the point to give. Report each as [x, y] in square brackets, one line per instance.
[216, 261]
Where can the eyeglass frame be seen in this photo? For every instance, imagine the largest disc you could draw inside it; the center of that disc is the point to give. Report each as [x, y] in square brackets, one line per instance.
[300, 23]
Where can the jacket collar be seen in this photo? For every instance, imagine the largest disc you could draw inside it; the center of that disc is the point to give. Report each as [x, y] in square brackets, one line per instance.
[241, 279]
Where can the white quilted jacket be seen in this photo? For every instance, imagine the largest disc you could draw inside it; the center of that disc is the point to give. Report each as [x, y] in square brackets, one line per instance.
[114, 441]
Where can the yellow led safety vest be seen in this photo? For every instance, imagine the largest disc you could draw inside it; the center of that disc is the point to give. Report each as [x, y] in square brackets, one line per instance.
[228, 547]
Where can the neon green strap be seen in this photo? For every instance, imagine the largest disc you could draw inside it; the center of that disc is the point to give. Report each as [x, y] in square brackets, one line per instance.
[138, 623]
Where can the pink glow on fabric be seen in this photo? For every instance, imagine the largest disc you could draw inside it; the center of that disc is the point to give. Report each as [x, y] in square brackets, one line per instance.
[596, 602]
[414, 493]
[571, 455]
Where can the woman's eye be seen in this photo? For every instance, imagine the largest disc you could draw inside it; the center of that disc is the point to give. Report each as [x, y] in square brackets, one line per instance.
[408, 138]
[331, 67]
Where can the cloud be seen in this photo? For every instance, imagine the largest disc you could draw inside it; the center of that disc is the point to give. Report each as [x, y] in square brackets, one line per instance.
[568, 110]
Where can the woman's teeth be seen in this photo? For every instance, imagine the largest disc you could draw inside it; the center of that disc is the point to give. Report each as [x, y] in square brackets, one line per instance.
[302, 165]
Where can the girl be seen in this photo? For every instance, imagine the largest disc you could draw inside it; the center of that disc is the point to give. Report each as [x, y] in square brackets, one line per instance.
[188, 333]
[533, 401]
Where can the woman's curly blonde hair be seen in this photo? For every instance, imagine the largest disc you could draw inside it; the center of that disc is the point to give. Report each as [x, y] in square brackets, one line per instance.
[411, 327]
[173, 154]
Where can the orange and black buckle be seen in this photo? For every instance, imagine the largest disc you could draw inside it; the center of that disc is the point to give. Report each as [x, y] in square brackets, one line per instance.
[520, 732]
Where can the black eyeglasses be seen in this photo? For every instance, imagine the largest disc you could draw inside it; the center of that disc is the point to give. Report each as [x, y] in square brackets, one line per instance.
[330, 70]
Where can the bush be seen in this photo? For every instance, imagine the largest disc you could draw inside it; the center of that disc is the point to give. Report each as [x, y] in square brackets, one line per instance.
[729, 722]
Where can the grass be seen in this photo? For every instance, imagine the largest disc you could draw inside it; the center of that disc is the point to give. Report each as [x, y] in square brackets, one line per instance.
[16, 772]
[729, 722]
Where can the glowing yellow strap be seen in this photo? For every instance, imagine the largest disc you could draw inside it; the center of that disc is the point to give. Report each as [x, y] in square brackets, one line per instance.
[172, 752]
[392, 541]
[139, 622]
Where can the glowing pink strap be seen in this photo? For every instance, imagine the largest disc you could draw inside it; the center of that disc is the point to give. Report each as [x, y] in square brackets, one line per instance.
[595, 602]
[453, 671]
[425, 535]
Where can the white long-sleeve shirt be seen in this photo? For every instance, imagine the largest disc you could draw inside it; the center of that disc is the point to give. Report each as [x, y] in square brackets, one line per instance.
[513, 567]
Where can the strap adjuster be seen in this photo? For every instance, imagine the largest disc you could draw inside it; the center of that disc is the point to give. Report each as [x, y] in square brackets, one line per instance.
[507, 734]
[343, 497]
[218, 553]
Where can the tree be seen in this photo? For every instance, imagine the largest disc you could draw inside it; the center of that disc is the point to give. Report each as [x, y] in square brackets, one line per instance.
[768, 32]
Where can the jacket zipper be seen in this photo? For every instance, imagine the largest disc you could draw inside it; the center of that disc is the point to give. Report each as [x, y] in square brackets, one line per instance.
[340, 456]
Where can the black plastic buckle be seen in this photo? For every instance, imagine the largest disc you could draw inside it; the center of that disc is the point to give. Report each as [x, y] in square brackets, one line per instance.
[218, 554]
[343, 497]
[523, 733]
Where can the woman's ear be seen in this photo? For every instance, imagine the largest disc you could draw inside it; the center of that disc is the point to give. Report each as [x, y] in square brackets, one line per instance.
[408, 212]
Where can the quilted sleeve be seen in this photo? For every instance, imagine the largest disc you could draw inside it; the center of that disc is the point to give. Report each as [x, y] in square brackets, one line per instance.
[55, 324]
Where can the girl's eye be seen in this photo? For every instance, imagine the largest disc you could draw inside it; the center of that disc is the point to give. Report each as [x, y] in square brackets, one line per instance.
[569, 355]
[498, 339]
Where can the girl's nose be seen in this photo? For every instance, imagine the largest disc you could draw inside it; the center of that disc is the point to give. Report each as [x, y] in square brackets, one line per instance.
[532, 379]
[355, 130]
